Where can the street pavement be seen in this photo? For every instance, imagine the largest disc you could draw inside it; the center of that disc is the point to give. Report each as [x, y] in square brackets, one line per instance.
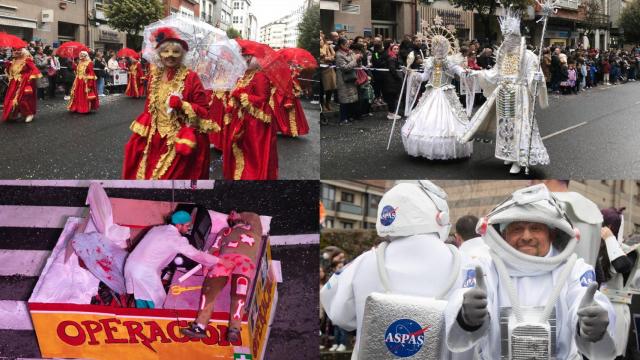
[32, 217]
[62, 145]
[593, 135]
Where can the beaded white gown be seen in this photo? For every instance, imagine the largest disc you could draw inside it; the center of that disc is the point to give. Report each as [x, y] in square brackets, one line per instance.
[434, 126]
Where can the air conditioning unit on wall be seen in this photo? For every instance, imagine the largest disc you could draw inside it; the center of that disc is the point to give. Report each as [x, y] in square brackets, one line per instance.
[47, 15]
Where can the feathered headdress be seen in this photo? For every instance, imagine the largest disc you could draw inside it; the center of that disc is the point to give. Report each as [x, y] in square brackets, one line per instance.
[510, 21]
[164, 34]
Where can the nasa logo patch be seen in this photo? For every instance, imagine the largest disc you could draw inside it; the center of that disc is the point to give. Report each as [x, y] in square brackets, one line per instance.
[388, 215]
[470, 279]
[404, 337]
[587, 278]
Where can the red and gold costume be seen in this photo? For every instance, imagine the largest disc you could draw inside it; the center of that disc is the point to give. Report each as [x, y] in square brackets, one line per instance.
[217, 113]
[135, 84]
[84, 96]
[20, 96]
[288, 110]
[250, 142]
[155, 150]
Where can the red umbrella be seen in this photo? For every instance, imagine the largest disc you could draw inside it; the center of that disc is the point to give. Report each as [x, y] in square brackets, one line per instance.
[126, 52]
[274, 66]
[300, 57]
[71, 49]
[8, 40]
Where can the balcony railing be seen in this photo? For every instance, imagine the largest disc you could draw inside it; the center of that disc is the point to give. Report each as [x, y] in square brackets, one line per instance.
[349, 208]
[569, 4]
[599, 20]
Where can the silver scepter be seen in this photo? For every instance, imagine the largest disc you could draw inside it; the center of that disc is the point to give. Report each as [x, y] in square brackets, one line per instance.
[548, 8]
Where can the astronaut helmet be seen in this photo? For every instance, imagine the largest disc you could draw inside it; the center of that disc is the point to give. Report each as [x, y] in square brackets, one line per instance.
[535, 204]
[413, 208]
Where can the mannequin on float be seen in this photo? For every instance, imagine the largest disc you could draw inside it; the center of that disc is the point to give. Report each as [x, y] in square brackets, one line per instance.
[535, 281]
[413, 265]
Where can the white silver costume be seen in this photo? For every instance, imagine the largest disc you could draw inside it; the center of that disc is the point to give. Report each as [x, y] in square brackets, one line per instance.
[435, 125]
[416, 260]
[520, 286]
[510, 88]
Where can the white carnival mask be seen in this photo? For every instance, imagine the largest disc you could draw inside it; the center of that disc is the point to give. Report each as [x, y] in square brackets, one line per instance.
[439, 46]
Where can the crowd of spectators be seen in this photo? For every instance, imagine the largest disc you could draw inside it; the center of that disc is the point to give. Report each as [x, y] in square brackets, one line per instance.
[362, 72]
[332, 338]
[58, 73]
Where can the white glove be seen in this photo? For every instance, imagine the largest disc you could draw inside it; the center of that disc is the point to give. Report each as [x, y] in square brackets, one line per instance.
[474, 302]
[592, 318]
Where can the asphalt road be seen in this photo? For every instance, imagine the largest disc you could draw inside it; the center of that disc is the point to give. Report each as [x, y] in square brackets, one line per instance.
[62, 145]
[593, 135]
[295, 327]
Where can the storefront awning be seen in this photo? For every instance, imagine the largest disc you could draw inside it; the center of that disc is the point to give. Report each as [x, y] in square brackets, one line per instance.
[7, 20]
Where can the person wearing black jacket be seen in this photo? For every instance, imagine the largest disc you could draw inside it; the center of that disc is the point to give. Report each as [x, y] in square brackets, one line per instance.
[556, 71]
[100, 66]
[391, 79]
[377, 55]
[66, 76]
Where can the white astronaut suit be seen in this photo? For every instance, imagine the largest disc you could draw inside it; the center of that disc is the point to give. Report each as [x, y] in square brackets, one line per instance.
[557, 281]
[417, 261]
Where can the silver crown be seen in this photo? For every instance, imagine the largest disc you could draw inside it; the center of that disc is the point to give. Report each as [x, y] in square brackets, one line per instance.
[510, 21]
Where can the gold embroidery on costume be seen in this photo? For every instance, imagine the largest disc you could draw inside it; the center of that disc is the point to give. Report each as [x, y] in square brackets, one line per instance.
[511, 64]
[207, 125]
[167, 125]
[80, 75]
[15, 72]
[292, 121]
[252, 110]
[139, 129]
[134, 78]
[237, 154]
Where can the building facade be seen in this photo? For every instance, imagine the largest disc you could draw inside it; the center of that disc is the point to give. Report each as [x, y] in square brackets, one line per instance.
[272, 34]
[102, 36]
[481, 196]
[47, 21]
[283, 32]
[240, 16]
[391, 18]
[222, 14]
[184, 7]
[352, 204]
[206, 11]
[252, 27]
[53, 23]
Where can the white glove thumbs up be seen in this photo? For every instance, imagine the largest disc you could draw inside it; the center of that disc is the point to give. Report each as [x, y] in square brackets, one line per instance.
[480, 282]
[587, 299]
[593, 319]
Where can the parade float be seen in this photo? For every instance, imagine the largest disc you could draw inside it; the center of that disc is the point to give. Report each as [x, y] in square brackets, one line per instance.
[74, 315]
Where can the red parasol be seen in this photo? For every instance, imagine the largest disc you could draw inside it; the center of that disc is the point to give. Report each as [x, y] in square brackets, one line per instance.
[71, 49]
[126, 52]
[273, 64]
[300, 57]
[11, 41]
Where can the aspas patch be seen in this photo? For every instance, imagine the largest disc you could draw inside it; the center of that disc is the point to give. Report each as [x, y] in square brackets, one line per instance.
[404, 337]
[587, 278]
[469, 279]
[388, 215]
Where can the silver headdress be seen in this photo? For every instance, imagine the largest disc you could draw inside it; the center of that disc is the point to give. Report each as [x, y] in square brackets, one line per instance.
[440, 39]
[510, 21]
